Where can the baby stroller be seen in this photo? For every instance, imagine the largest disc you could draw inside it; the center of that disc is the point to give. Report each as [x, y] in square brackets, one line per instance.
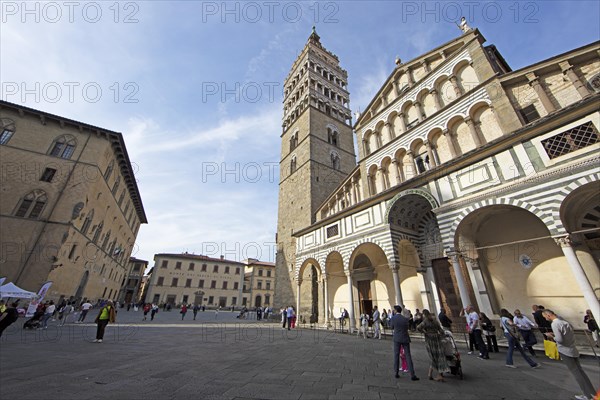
[452, 354]
[34, 322]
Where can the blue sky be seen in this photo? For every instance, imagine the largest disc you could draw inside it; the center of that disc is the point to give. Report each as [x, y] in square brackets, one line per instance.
[205, 154]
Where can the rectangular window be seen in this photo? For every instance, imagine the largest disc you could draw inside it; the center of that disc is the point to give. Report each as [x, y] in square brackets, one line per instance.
[269, 273]
[137, 268]
[57, 149]
[185, 299]
[529, 113]
[260, 272]
[203, 267]
[574, 139]
[211, 299]
[178, 265]
[23, 208]
[225, 285]
[227, 269]
[174, 282]
[191, 267]
[165, 264]
[213, 284]
[234, 301]
[237, 271]
[201, 283]
[216, 268]
[259, 285]
[37, 209]
[69, 150]
[188, 283]
[332, 230]
[268, 285]
[72, 252]
[5, 136]
[48, 175]
[236, 285]
[160, 281]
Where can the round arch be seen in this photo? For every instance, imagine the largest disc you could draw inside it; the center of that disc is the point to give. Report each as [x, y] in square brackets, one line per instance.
[546, 219]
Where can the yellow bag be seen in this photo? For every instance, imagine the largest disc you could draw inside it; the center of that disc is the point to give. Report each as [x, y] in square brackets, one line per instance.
[551, 349]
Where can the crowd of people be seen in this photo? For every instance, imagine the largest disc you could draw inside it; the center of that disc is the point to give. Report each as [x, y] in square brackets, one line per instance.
[517, 328]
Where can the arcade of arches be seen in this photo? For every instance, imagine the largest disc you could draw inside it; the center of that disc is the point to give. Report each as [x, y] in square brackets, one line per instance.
[501, 256]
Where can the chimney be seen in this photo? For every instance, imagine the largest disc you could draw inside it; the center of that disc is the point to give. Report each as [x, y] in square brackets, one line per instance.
[222, 257]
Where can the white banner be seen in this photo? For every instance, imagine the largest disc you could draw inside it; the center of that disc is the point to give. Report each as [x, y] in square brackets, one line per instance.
[40, 297]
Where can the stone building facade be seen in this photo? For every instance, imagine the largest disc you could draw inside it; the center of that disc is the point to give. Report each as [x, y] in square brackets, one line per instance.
[70, 209]
[132, 282]
[259, 283]
[195, 279]
[475, 184]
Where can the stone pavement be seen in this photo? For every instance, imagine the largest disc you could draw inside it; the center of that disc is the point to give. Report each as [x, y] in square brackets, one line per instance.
[231, 359]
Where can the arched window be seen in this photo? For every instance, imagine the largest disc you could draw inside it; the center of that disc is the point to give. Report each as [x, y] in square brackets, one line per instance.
[293, 165]
[116, 186]
[105, 241]
[121, 197]
[294, 141]
[98, 232]
[88, 221]
[32, 204]
[63, 147]
[109, 170]
[7, 129]
[332, 136]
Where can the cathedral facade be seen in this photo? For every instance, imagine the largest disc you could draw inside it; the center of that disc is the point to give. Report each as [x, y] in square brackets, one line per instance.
[475, 184]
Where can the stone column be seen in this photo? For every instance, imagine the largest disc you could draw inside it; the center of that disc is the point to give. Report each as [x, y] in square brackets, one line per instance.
[378, 139]
[397, 290]
[326, 298]
[479, 288]
[426, 66]
[355, 190]
[411, 160]
[580, 277]
[429, 147]
[420, 111]
[460, 279]
[567, 69]
[411, 78]
[298, 285]
[448, 135]
[436, 99]
[366, 147]
[381, 171]
[402, 122]
[390, 131]
[396, 172]
[370, 185]
[534, 82]
[454, 81]
[351, 300]
[475, 134]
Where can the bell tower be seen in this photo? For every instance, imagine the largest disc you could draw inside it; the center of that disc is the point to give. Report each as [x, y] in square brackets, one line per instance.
[317, 150]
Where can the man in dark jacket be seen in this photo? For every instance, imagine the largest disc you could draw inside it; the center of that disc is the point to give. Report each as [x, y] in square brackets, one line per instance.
[444, 320]
[400, 324]
[543, 325]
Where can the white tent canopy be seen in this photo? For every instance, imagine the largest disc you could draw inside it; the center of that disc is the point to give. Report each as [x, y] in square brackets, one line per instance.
[12, 290]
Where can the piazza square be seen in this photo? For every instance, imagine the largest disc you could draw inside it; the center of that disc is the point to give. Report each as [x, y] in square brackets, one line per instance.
[326, 200]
